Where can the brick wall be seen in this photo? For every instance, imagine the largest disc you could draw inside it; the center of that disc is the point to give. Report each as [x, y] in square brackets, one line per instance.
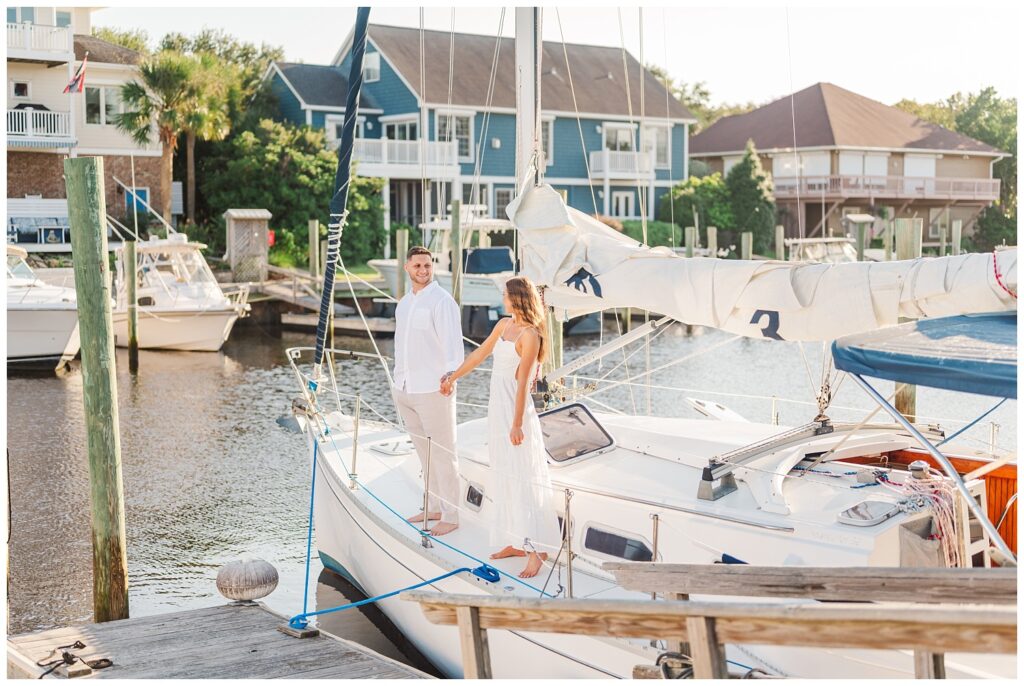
[38, 173]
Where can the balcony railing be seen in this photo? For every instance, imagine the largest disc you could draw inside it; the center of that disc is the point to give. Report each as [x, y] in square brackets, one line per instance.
[39, 39]
[29, 123]
[405, 153]
[621, 163]
[907, 187]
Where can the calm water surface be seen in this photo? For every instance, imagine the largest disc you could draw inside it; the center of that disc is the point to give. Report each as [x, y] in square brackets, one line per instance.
[210, 474]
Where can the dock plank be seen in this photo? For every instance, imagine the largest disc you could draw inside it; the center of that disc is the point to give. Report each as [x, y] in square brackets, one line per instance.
[229, 641]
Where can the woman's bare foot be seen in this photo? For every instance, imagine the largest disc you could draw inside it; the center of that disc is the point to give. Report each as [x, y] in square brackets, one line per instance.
[508, 551]
[442, 528]
[533, 564]
[417, 518]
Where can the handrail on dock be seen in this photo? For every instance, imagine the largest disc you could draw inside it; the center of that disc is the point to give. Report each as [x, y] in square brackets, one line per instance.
[929, 630]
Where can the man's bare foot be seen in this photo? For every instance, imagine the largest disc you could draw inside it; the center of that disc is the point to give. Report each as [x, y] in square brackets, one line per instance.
[533, 564]
[508, 551]
[442, 528]
[417, 518]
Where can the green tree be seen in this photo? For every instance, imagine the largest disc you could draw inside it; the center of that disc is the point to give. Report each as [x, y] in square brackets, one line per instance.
[750, 197]
[161, 99]
[289, 171]
[697, 98]
[133, 39]
[990, 119]
[935, 112]
[705, 196]
[206, 117]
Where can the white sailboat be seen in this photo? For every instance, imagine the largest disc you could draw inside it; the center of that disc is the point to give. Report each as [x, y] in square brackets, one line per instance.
[724, 491]
[42, 320]
[181, 305]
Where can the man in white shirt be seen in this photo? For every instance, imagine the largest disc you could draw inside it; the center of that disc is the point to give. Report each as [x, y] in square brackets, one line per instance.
[428, 345]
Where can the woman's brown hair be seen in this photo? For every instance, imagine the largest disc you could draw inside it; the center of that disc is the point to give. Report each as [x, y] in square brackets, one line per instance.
[527, 307]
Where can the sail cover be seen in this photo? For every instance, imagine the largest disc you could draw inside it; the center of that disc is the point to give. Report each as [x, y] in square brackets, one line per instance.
[971, 353]
[587, 266]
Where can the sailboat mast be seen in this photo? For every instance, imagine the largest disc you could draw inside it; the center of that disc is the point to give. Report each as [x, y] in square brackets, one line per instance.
[528, 59]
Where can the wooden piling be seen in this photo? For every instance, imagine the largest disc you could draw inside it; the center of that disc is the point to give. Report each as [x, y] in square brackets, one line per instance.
[780, 242]
[690, 238]
[747, 245]
[314, 248]
[861, 234]
[456, 245]
[401, 249]
[131, 270]
[957, 238]
[909, 233]
[713, 240]
[87, 211]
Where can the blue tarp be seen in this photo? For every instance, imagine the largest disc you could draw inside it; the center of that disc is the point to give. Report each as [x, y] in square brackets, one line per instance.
[970, 353]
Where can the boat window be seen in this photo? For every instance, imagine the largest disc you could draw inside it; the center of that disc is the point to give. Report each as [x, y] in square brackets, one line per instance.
[17, 268]
[475, 496]
[616, 545]
[487, 260]
[571, 432]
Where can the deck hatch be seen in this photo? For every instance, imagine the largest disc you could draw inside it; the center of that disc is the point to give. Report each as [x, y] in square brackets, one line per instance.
[571, 432]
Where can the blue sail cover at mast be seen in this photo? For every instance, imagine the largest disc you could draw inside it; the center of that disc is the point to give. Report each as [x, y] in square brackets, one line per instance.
[343, 178]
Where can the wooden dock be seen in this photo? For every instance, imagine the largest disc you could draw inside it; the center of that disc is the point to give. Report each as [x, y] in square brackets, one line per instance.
[229, 641]
[345, 326]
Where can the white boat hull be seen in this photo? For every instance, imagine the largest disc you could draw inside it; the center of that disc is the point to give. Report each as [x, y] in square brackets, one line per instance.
[42, 337]
[190, 330]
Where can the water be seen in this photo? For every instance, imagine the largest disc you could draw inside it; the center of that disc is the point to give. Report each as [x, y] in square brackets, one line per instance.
[210, 475]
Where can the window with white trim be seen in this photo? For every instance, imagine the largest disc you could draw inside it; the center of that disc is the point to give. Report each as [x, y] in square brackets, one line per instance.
[502, 198]
[618, 136]
[63, 19]
[334, 126]
[547, 137]
[407, 130]
[656, 143]
[371, 67]
[21, 89]
[473, 194]
[458, 127]
[102, 105]
[21, 15]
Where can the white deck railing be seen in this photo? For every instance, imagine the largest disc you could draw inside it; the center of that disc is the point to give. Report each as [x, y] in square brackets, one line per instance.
[887, 186]
[621, 163]
[31, 123]
[405, 153]
[39, 38]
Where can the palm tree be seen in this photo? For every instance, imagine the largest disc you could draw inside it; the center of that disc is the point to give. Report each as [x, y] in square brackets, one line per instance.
[162, 100]
[206, 118]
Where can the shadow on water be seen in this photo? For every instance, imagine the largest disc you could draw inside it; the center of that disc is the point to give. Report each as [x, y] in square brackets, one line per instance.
[366, 625]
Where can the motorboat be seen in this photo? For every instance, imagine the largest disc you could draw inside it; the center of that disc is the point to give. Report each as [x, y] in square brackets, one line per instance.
[42, 320]
[834, 250]
[180, 304]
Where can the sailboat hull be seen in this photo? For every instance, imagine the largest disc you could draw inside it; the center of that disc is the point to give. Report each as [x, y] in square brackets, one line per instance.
[166, 329]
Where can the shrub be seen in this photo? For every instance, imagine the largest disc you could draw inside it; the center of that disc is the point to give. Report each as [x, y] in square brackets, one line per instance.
[706, 196]
[750, 197]
[658, 233]
[609, 221]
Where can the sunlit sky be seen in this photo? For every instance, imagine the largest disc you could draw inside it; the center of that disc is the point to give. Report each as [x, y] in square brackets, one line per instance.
[913, 50]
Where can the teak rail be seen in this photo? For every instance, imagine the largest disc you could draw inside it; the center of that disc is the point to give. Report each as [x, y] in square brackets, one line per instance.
[707, 627]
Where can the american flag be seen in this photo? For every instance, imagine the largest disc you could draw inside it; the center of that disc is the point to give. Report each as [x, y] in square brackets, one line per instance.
[77, 82]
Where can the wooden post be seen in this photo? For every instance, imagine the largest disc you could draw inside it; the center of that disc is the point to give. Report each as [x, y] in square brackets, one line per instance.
[87, 211]
[456, 245]
[713, 241]
[942, 240]
[908, 246]
[929, 665]
[131, 269]
[323, 256]
[780, 242]
[691, 240]
[401, 248]
[890, 229]
[860, 241]
[314, 248]
[708, 654]
[476, 654]
[958, 230]
[747, 245]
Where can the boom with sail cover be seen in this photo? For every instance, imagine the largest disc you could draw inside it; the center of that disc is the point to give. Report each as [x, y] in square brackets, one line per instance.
[587, 266]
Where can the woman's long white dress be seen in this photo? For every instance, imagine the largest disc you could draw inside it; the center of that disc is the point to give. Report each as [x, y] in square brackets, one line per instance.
[523, 496]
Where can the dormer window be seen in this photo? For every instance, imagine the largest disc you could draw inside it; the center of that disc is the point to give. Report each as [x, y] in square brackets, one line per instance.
[371, 67]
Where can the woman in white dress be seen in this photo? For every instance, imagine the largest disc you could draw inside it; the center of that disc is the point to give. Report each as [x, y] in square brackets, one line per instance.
[522, 489]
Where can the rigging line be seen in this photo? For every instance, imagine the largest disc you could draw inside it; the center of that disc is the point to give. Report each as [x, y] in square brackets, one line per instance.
[657, 333]
[579, 123]
[668, 127]
[423, 125]
[982, 416]
[792, 114]
[818, 460]
[645, 201]
[629, 106]
[451, 115]
[810, 375]
[481, 150]
[625, 358]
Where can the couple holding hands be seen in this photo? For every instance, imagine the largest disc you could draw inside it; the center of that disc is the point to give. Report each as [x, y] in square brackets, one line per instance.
[429, 360]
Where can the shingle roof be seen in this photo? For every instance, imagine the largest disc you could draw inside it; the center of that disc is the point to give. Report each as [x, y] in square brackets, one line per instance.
[321, 86]
[597, 73]
[828, 116]
[101, 51]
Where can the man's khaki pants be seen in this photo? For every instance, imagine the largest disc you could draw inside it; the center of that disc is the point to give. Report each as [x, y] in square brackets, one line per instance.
[433, 415]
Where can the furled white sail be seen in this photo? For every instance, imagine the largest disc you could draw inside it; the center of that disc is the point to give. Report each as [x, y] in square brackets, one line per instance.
[588, 266]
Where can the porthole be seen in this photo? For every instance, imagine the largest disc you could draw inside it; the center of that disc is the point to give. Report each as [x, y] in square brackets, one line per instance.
[616, 545]
[474, 497]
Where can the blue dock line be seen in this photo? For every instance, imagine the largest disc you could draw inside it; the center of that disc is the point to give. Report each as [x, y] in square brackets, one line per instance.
[485, 572]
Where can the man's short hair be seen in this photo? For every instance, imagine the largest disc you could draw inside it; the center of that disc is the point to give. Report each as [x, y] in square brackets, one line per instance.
[417, 250]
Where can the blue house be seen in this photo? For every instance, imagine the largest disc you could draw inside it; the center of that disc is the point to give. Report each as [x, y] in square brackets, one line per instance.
[605, 153]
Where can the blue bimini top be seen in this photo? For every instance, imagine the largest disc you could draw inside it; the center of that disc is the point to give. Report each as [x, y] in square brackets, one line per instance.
[971, 353]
